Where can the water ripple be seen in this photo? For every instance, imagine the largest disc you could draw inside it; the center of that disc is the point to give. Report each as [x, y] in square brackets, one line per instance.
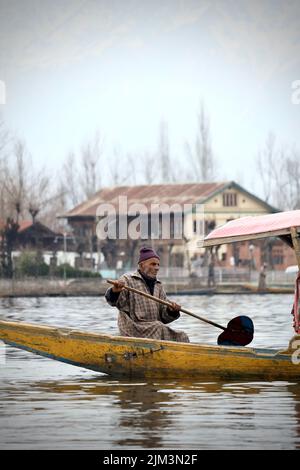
[50, 405]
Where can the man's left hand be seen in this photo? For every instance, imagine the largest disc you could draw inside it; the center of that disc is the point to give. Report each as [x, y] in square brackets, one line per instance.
[174, 307]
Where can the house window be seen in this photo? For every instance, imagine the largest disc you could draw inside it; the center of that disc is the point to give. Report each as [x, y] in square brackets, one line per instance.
[277, 255]
[195, 226]
[229, 199]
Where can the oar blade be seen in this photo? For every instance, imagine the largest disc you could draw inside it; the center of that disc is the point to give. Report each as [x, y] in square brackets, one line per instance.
[239, 332]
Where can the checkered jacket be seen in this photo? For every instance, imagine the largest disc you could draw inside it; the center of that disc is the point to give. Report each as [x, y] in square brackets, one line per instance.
[142, 317]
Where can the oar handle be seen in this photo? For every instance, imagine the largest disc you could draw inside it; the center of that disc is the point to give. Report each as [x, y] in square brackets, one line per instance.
[202, 319]
[168, 304]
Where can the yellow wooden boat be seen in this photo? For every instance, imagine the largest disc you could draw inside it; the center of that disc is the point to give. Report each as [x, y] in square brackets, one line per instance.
[139, 357]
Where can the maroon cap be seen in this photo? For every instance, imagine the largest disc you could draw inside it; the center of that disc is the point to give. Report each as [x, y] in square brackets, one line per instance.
[147, 253]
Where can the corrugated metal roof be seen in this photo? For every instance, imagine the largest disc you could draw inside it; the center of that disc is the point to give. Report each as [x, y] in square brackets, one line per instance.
[23, 225]
[190, 193]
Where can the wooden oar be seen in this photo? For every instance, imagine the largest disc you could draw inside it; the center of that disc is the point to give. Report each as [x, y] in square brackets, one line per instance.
[239, 331]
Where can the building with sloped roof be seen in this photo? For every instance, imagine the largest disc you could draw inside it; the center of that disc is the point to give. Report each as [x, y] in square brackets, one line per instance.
[132, 216]
[32, 235]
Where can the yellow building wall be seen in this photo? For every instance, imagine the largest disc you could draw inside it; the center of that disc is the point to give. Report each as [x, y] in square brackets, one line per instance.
[245, 206]
[214, 210]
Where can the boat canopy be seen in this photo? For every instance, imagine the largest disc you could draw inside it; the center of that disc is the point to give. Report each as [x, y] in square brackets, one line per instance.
[252, 227]
[285, 225]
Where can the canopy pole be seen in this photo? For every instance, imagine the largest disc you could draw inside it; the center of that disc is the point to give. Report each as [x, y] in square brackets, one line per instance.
[296, 244]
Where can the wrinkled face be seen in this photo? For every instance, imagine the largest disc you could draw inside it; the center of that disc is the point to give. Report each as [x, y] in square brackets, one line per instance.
[150, 267]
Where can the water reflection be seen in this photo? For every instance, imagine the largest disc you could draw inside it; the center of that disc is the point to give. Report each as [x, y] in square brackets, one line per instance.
[46, 404]
[179, 414]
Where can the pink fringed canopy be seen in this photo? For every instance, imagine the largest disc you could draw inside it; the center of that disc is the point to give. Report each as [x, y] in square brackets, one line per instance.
[248, 228]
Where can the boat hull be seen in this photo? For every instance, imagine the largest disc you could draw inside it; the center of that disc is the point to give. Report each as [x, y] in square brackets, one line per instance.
[139, 357]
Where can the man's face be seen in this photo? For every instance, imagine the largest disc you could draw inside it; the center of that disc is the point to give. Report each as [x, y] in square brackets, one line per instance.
[150, 267]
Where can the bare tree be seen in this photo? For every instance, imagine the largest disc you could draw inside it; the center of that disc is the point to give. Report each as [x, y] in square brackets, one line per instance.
[90, 161]
[8, 236]
[292, 186]
[279, 171]
[53, 207]
[115, 167]
[27, 192]
[16, 181]
[164, 153]
[69, 180]
[266, 166]
[201, 156]
[5, 139]
[131, 164]
[122, 169]
[147, 167]
[41, 193]
[81, 177]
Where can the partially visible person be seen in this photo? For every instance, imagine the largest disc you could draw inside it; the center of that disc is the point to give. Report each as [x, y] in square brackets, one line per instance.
[211, 282]
[141, 317]
[262, 285]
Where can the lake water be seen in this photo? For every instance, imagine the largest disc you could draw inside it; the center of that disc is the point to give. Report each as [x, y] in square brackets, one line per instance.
[45, 404]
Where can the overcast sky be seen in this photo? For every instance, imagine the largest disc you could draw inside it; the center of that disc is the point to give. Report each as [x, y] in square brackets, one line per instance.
[71, 67]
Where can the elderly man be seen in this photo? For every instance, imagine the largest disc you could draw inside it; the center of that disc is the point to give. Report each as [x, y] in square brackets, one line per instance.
[138, 316]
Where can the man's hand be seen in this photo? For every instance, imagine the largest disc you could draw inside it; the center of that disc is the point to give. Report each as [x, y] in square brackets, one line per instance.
[118, 286]
[174, 307]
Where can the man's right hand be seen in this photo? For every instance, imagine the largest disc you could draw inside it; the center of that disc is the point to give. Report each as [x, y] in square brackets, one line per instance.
[118, 286]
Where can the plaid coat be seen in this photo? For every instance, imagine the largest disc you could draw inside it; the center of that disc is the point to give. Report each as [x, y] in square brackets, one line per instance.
[141, 317]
